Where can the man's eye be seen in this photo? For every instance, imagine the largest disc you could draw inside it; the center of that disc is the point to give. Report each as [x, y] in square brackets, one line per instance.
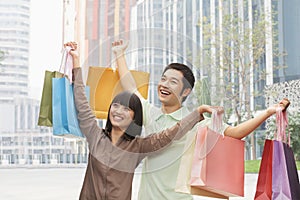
[163, 79]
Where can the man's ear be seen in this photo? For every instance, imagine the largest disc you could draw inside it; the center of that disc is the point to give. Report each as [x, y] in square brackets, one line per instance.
[186, 92]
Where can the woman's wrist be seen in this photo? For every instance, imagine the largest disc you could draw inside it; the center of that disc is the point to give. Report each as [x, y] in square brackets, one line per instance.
[76, 62]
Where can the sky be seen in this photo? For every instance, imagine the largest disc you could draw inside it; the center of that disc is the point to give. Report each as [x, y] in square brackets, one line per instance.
[45, 42]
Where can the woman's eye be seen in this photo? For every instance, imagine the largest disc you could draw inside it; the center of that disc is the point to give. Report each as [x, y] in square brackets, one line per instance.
[126, 109]
[115, 105]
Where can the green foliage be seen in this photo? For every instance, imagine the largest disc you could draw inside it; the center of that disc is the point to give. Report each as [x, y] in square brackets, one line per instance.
[233, 49]
[252, 166]
[231, 59]
[1, 55]
[202, 91]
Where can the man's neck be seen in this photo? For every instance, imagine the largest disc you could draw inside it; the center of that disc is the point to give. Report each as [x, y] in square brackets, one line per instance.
[170, 109]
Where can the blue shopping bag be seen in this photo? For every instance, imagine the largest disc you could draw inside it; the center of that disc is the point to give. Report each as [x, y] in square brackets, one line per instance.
[65, 122]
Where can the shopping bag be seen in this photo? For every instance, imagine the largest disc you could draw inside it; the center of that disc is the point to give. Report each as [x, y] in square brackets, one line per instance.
[292, 172]
[282, 123]
[274, 180]
[64, 115]
[184, 173]
[45, 113]
[65, 122]
[280, 180]
[264, 180]
[218, 163]
[105, 83]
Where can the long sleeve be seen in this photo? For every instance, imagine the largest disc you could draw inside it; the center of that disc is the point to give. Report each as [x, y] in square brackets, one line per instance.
[87, 120]
[157, 141]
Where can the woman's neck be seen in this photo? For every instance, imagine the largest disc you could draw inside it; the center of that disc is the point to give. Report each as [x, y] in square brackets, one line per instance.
[116, 133]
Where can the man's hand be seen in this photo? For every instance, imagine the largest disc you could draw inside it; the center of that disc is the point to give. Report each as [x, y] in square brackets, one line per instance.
[119, 47]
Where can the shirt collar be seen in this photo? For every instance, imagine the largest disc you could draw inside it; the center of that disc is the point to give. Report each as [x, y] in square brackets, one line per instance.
[177, 115]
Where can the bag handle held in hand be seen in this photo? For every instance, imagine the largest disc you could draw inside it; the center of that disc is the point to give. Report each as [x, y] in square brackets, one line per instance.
[216, 121]
[207, 143]
[66, 63]
[281, 125]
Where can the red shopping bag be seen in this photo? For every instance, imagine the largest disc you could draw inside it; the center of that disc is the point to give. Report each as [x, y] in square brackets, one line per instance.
[264, 181]
[218, 163]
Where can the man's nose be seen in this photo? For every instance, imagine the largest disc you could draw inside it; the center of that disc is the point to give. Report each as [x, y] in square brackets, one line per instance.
[165, 83]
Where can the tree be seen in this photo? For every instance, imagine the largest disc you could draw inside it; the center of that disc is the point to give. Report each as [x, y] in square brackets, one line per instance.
[233, 56]
[2, 55]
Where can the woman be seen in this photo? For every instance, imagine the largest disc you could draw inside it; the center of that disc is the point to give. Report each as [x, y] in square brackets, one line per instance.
[115, 152]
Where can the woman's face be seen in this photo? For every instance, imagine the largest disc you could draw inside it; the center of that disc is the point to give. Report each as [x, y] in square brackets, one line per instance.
[120, 116]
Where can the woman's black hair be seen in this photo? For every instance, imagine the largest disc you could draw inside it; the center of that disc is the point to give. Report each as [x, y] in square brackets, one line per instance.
[132, 101]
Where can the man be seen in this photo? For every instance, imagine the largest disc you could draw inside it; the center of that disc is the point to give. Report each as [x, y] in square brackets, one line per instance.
[160, 171]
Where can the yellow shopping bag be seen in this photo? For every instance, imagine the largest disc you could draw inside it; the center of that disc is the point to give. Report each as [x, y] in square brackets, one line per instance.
[105, 84]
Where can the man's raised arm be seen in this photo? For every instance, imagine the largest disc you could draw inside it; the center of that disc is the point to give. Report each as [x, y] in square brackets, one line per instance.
[127, 80]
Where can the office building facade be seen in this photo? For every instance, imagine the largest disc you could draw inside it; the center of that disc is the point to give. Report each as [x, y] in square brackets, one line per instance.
[22, 141]
[162, 32]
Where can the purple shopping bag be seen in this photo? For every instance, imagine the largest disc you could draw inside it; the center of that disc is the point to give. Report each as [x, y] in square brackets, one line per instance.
[280, 179]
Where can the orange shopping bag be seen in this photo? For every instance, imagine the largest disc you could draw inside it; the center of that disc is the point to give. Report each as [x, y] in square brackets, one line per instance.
[105, 84]
[218, 163]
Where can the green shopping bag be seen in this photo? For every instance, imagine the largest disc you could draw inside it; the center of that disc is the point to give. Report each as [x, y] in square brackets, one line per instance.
[45, 114]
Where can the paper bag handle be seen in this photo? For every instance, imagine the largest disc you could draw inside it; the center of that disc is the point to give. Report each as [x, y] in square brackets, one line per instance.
[216, 124]
[281, 125]
[66, 63]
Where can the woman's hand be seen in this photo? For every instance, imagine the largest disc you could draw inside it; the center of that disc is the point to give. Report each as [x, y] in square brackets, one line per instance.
[119, 47]
[283, 105]
[74, 53]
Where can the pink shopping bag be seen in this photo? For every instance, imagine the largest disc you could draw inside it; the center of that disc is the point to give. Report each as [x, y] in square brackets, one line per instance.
[218, 163]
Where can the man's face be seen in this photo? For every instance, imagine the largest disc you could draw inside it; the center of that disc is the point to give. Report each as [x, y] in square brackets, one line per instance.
[170, 88]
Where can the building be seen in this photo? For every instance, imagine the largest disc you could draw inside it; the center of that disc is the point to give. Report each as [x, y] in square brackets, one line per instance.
[14, 42]
[22, 141]
[162, 32]
[288, 27]
[95, 24]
